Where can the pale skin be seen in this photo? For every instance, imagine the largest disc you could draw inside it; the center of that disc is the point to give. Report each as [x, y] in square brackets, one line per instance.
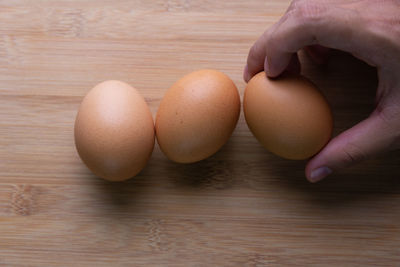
[367, 29]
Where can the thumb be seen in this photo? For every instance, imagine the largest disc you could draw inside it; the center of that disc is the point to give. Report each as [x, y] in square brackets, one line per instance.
[366, 139]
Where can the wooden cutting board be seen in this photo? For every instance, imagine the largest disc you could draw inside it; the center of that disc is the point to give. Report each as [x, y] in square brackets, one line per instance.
[241, 207]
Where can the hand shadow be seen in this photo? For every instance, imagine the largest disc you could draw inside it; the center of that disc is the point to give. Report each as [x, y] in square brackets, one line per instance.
[350, 87]
[373, 178]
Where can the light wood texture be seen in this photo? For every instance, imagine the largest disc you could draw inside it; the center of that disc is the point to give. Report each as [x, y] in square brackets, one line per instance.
[241, 207]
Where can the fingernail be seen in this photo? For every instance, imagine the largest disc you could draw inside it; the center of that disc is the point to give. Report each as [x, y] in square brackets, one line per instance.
[319, 174]
[246, 73]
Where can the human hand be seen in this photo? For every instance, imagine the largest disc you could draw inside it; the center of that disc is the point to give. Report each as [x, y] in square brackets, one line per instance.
[370, 31]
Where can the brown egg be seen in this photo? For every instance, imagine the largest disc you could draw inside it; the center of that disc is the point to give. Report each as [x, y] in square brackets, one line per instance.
[114, 131]
[288, 115]
[197, 116]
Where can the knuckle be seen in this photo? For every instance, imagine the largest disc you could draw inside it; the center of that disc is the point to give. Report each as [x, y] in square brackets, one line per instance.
[352, 154]
[306, 11]
[253, 51]
[256, 52]
[252, 56]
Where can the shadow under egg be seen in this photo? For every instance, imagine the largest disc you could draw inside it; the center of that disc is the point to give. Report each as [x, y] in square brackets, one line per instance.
[215, 172]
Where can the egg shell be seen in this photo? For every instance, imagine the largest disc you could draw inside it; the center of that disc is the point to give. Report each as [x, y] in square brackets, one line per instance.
[114, 131]
[197, 116]
[288, 115]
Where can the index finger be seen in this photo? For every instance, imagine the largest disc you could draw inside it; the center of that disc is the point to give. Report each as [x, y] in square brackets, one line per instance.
[309, 23]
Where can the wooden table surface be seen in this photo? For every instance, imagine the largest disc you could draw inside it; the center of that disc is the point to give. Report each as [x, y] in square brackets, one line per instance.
[241, 207]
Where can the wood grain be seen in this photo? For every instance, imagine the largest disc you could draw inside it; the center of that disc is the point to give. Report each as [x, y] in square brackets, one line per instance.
[241, 207]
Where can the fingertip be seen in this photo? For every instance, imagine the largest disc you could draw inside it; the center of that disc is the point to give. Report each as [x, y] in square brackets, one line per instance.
[318, 174]
[277, 64]
[317, 169]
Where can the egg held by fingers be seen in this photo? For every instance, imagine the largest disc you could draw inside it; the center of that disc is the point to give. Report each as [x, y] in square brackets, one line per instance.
[288, 115]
